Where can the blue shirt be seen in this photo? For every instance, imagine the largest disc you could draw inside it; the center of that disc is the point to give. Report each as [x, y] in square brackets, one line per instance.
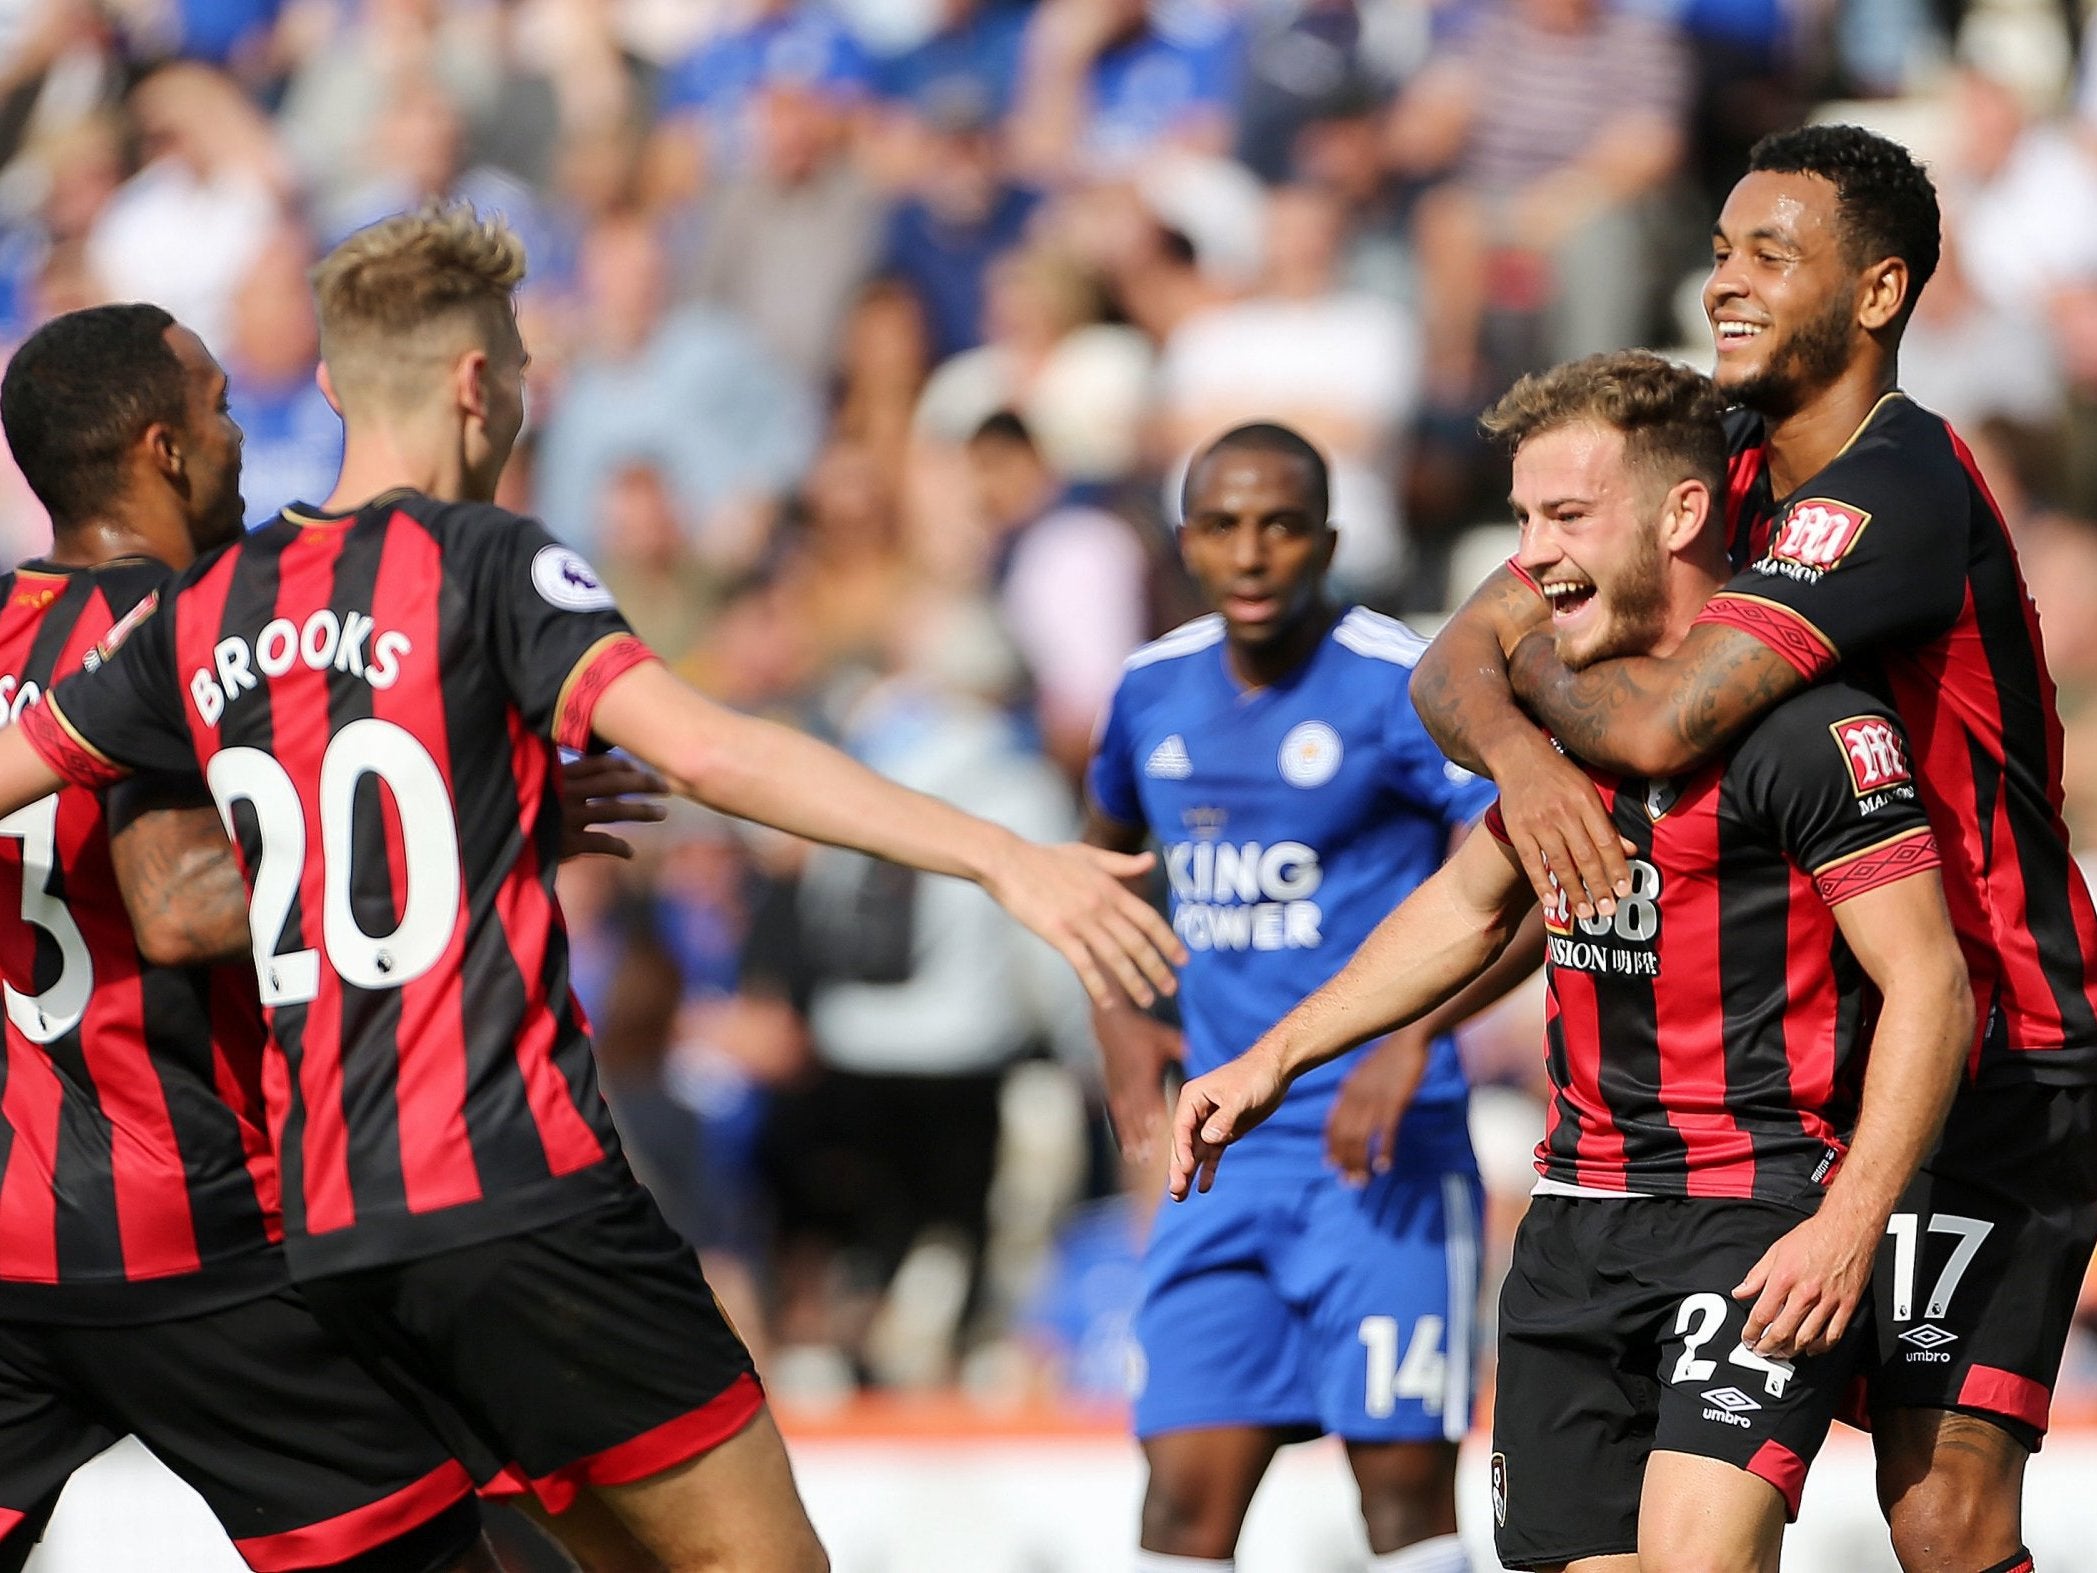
[292, 443]
[721, 79]
[1291, 820]
[1146, 88]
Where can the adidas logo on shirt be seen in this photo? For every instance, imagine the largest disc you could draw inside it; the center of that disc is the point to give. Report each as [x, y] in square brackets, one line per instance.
[1169, 761]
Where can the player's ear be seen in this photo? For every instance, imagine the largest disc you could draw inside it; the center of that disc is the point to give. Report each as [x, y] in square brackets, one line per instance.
[1330, 545]
[163, 447]
[325, 381]
[470, 382]
[1683, 518]
[1885, 294]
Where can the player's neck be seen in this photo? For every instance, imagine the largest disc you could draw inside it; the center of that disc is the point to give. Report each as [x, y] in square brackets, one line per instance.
[1264, 665]
[1805, 441]
[378, 461]
[1692, 582]
[105, 540]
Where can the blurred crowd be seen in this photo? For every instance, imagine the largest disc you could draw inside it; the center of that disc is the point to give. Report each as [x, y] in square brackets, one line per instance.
[868, 339]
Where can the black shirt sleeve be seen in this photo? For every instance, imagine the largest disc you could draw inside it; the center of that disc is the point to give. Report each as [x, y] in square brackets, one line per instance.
[554, 631]
[1872, 553]
[1827, 775]
[124, 714]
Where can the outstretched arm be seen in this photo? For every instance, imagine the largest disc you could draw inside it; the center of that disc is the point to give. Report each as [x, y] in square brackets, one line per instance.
[1808, 1286]
[1438, 940]
[1555, 819]
[1655, 715]
[759, 770]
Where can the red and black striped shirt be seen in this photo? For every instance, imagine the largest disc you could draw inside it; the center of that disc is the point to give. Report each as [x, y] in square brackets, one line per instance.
[1708, 1040]
[136, 1181]
[1893, 563]
[375, 699]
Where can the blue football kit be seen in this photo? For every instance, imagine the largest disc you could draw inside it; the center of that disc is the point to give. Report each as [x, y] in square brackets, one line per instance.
[1291, 819]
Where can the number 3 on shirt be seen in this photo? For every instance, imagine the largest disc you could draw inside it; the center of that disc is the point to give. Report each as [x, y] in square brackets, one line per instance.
[430, 860]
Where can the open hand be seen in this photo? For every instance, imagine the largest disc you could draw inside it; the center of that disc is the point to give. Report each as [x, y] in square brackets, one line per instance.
[1568, 845]
[604, 789]
[1072, 896]
[1136, 1052]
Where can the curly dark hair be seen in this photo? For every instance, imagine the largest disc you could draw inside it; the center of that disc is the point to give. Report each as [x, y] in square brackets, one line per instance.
[78, 393]
[1672, 417]
[1889, 207]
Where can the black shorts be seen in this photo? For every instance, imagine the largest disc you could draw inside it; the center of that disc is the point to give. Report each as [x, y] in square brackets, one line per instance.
[1619, 1335]
[1976, 1283]
[304, 1459]
[588, 1353]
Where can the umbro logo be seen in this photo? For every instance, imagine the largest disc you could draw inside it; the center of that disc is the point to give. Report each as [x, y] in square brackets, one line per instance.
[1729, 1406]
[1731, 1399]
[1926, 1344]
[1169, 761]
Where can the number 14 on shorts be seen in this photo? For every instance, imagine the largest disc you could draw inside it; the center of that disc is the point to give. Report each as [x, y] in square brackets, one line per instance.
[1423, 1373]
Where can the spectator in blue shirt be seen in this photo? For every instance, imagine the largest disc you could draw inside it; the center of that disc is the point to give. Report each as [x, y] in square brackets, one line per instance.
[714, 90]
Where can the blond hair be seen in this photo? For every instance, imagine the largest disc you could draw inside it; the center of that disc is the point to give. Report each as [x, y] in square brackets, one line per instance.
[399, 293]
[1672, 417]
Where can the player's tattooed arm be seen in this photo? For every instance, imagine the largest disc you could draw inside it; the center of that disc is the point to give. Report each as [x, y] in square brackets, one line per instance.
[1437, 942]
[1555, 818]
[1808, 1286]
[1460, 686]
[180, 882]
[1655, 715]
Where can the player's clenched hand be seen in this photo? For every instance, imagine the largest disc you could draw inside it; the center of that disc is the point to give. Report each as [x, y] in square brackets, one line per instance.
[1560, 831]
[1807, 1288]
[603, 789]
[1215, 1110]
[1072, 896]
[1136, 1051]
[1362, 1129]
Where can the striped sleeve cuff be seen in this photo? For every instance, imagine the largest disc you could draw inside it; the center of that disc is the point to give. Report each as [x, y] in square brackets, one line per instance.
[1524, 575]
[1911, 852]
[1496, 822]
[1804, 647]
[610, 658]
[65, 750]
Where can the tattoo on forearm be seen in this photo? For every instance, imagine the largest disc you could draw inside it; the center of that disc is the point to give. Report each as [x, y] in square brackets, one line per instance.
[1701, 697]
[1460, 689]
[181, 885]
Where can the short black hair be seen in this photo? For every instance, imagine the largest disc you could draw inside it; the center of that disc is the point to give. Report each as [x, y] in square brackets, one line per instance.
[1266, 437]
[1889, 207]
[79, 393]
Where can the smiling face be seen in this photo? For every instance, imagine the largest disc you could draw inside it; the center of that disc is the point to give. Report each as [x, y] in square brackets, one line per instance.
[1592, 538]
[1256, 543]
[1783, 296]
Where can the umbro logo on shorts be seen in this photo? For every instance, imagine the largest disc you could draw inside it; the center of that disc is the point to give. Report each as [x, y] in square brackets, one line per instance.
[1499, 1473]
[1928, 1343]
[1729, 1406]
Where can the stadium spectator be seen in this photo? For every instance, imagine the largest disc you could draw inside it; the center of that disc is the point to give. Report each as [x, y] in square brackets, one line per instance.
[1556, 124]
[690, 388]
[293, 439]
[791, 235]
[1340, 365]
[1071, 582]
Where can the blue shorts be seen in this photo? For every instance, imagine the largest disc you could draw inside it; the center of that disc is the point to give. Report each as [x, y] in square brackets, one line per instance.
[1297, 1301]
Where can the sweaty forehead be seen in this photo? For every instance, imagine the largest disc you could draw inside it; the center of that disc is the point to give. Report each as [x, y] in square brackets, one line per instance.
[1228, 480]
[1788, 203]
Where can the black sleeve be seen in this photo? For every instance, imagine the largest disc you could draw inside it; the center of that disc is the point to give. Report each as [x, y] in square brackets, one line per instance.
[1827, 775]
[1874, 554]
[123, 714]
[554, 632]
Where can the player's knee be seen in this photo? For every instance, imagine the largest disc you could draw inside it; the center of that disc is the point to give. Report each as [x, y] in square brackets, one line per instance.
[1408, 1491]
[1187, 1516]
[1951, 1494]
